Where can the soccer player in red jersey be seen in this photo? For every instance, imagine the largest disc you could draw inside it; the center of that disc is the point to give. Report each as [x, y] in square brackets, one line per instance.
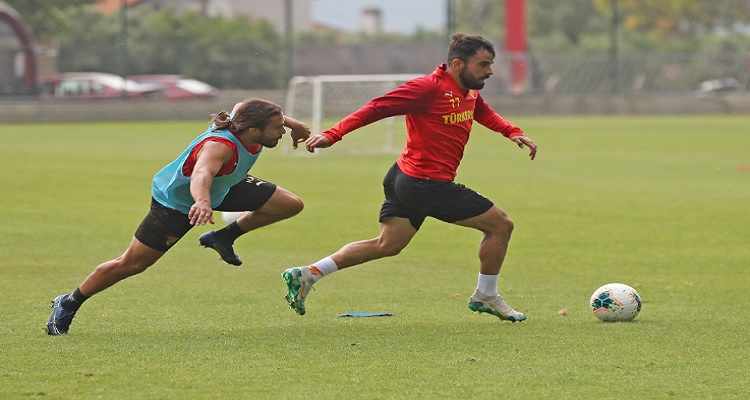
[440, 109]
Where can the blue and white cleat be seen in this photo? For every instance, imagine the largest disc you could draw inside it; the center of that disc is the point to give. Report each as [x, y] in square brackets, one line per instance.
[60, 319]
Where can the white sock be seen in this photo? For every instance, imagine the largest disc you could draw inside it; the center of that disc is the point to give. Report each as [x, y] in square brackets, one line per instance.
[322, 268]
[487, 284]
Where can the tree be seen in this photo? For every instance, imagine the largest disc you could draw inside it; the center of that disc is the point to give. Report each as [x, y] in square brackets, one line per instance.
[481, 17]
[567, 20]
[571, 18]
[556, 25]
[48, 19]
[665, 19]
[228, 53]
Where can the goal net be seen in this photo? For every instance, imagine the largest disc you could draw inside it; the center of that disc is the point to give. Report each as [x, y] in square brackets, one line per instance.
[323, 100]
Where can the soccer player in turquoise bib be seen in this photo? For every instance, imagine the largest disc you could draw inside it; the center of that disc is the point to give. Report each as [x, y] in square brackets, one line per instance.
[211, 174]
[439, 109]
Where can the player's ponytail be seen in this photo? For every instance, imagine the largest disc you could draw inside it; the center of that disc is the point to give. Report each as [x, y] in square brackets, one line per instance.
[222, 121]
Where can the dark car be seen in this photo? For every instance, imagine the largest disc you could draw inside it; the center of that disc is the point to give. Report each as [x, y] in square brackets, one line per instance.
[94, 85]
[175, 87]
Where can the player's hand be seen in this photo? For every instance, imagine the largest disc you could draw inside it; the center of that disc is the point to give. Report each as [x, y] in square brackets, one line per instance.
[525, 141]
[200, 213]
[299, 130]
[318, 141]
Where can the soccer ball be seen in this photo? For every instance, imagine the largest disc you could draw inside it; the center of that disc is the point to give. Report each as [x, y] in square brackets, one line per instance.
[231, 216]
[616, 302]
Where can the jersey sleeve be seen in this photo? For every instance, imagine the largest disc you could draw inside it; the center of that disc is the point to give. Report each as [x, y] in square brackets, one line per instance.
[485, 115]
[414, 96]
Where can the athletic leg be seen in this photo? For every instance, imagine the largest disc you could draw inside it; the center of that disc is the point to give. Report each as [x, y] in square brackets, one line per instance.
[136, 259]
[395, 234]
[283, 204]
[496, 228]
[161, 229]
[264, 203]
[398, 225]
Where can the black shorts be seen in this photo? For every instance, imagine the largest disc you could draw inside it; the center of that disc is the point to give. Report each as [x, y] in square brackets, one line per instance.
[248, 195]
[163, 227]
[417, 199]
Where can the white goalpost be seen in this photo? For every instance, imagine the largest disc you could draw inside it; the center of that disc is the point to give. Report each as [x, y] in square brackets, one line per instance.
[322, 100]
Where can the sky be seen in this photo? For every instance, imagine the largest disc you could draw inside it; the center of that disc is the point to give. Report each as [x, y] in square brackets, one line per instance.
[399, 16]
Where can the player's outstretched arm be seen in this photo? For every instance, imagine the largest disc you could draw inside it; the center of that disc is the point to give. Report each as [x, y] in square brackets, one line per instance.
[210, 159]
[318, 141]
[526, 141]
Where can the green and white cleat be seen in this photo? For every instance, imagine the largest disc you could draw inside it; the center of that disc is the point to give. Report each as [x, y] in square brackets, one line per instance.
[299, 282]
[494, 305]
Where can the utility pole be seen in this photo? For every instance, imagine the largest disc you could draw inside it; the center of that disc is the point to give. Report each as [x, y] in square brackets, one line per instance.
[516, 44]
[289, 39]
[613, 33]
[450, 23]
[123, 45]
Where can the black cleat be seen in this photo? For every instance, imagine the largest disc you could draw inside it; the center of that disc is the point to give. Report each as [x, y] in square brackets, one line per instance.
[225, 250]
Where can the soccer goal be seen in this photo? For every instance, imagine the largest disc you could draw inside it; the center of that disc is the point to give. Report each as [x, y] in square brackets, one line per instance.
[324, 99]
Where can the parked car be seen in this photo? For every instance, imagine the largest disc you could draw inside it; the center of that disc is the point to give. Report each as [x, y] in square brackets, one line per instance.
[94, 85]
[717, 86]
[177, 87]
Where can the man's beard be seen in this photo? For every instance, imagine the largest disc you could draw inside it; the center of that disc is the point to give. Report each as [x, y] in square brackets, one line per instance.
[470, 82]
[270, 143]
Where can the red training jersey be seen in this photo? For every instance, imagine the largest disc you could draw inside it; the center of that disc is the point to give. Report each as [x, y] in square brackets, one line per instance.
[439, 116]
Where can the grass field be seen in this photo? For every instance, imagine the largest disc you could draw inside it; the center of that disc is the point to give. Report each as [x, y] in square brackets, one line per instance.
[659, 203]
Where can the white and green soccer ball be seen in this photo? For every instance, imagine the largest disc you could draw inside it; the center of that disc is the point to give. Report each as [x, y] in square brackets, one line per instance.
[615, 302]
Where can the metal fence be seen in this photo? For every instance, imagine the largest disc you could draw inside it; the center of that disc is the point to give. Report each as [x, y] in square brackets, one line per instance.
[637, 73]
[569, 72]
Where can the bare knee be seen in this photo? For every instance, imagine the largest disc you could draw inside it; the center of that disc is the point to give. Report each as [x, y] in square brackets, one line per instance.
[501, 223]
[390, 251]
[291, 206]
[390, 248]
[507, 224]
[296, 205]
[137, 268]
